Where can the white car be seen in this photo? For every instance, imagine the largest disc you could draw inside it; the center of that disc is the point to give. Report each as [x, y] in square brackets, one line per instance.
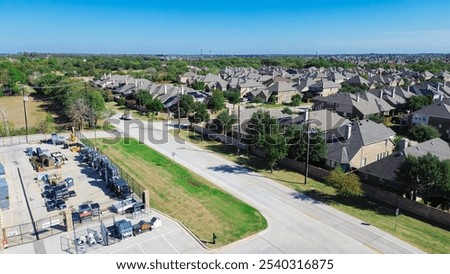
[126, 117]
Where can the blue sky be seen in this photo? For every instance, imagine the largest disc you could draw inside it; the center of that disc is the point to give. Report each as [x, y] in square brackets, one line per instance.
[225, 27]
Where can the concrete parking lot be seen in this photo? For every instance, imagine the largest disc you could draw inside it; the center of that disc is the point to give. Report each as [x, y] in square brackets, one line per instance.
[89, 187]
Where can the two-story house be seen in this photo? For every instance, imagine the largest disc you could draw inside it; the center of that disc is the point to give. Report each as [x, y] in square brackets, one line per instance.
[360, 143]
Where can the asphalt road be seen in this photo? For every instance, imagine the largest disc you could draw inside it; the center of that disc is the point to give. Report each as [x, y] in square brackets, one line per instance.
[296, 223]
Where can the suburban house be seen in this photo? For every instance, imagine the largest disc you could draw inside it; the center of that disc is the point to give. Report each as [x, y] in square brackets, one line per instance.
[394, 96]
[325, 120]
[248, 85]
[283, 92]
[323, 88]
[358, 105]
[436, 115]
[360, 143]
[358, 81]
[187, 77]
[382, 173]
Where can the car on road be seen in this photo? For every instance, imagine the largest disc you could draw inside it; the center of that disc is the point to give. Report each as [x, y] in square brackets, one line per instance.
[126, 116]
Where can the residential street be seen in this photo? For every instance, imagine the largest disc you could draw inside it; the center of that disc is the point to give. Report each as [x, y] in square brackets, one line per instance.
[296, 223]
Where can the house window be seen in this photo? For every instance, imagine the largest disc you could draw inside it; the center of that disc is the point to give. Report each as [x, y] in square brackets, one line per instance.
[364, 162]
[439, 126]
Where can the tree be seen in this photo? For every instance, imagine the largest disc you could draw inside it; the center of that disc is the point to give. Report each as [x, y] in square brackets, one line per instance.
[187, 105]
[376, 117]
[154, 105]
[275, 147]
[297, 138]
[259, 124]
[198, 85]
[143, 98]
[233, 97]
[217, 101]
[416, 102]
[426, 176]
[348, 185]
[422, 133]
[296, 100]
[201, 114]
[77, 112]
[258, 100]
[287, 111]
[224, 122]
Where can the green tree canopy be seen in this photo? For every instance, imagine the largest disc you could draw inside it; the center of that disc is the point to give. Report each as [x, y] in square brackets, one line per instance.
[224, 122]
[416, 102]
[297, 137]
[296, 100]
[427, 177]
[198, 85]
[275, 147]
[233, 97]
[347, 185]
[200, 115]
[422, 133]
[187, 105]
[217, 101]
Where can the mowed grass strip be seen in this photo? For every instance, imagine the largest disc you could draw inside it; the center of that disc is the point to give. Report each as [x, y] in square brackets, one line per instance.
[187, 197]
[429, 238]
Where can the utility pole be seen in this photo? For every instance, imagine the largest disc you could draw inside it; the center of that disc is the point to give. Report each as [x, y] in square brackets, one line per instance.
[307, 147]
[179, 112]
[307, 153]
[239, 128]
[25, 99]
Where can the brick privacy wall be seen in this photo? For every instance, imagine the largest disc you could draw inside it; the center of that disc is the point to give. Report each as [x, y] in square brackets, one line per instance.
[225, 139]
[421, 210]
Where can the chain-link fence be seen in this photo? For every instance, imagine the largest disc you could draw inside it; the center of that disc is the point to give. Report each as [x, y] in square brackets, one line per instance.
[25, 233]
[135, 186]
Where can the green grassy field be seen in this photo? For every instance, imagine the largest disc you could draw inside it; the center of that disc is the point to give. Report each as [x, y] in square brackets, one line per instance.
[199, 205]
[421, 234]
[12, 106]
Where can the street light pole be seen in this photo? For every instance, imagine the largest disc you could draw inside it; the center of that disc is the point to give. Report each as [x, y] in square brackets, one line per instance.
[25, 99]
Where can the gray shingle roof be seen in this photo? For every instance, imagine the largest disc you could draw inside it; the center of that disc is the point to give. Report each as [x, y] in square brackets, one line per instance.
[437, 109]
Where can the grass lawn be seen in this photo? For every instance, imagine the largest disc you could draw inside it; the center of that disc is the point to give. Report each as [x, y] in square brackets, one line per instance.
[423, 235]
[12, 106]
[174, 190]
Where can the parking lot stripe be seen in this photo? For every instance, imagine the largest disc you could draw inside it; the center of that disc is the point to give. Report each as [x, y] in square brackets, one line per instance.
[170, 244]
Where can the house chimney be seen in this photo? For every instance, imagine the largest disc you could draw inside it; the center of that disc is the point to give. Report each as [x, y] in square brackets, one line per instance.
[126, 80]
[381, 94]
[109, 75]
[409, 88]
[348, 131]
[306, 116]
[165, 89]
[403, 144]
[441, 97]
[182, 90]
[357, 97]
[393, 93]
